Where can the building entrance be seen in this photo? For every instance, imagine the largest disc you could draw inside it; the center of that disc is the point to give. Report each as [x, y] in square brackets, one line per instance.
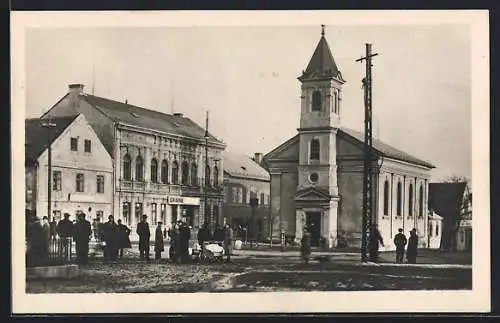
[313, 224]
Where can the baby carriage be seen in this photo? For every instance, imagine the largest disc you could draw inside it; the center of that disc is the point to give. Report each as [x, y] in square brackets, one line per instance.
[211, 251]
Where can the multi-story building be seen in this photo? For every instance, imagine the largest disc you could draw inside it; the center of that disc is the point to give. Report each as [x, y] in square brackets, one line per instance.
[246, 204]
[82, 169]
[317, 175]
[165, 166]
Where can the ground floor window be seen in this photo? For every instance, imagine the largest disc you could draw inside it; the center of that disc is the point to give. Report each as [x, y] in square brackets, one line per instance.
[126, 214]
[56, 214]
[138, 212]
[99, 214]
[174, 213]
[163, 213]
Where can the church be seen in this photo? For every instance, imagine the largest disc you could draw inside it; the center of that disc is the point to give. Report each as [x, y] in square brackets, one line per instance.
[317, 176]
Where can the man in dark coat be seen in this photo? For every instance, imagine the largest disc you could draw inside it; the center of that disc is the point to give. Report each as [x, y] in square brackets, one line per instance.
[411, 252]
[46, 232]
[65, 232]
[109, 232]
[204, 234]
[144, 236]
[228, 242]
[185, 234]
[123, 237]
[374, 242]
[53, 227]
[159, 242]
[305, 246]
[37, 253]
[219, 234]
[82, 233]
[400, 242]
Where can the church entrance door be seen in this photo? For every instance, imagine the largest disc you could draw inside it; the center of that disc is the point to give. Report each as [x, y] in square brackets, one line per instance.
[313, 223]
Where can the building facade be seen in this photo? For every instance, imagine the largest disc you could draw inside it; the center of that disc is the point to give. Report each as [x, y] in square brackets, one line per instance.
[82, 169]
[317, 176]
[246, 198]
[165, 166]
[435, 230]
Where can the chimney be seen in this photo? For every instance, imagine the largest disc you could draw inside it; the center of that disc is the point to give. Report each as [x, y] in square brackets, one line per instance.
[76, 88]
[178, 114]
[258, 158]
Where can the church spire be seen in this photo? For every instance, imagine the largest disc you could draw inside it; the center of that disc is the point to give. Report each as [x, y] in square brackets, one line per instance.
[322, 63]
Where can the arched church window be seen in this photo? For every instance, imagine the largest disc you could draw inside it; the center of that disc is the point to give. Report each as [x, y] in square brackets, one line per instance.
[335, 102]
[139, 169]
[398, 200]
[175, 172]
[207, 175]
[421, 201]
[216, 176]
[314, 153]
[410, 200]
[127, 174]
[194, 175]
[386, 197]
[316, 101]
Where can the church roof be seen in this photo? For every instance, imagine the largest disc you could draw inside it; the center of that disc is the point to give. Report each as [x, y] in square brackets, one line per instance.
[240, 165]
[149, 119]
[387, 150]
[322, 63]
[36, 136]
[378, 146]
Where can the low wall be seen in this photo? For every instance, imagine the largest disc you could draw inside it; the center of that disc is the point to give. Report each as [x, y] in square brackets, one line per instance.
[48, 272]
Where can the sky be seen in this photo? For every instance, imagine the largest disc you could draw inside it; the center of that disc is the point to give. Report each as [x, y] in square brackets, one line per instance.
[246, 77]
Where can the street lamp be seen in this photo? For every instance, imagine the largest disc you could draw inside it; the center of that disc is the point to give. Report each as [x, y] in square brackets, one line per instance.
[205, 184]
[49, 126]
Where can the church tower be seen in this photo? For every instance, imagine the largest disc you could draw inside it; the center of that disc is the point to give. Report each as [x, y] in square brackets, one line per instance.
[317, 191]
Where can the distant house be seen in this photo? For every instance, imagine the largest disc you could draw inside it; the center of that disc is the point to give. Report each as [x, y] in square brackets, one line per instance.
[435, 230]
[246, 181]
[453, 202]
[81, 169]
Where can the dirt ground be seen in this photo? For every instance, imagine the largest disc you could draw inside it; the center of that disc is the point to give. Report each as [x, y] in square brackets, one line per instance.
[249, 275]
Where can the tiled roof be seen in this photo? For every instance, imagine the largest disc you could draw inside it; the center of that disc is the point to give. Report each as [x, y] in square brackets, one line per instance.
[149, 119]
[387, 150]
[36, 136]
[239, 165]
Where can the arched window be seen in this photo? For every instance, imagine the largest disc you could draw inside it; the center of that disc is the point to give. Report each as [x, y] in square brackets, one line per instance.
[314, 153]
[164, 172]
[139, 169]
[127, 174]
[421, 201]
[194, 175]
[154, 171]
[316, 101]
[216, 176]
[386, 197]
[207, 175]
[175, 173]
[410, 200]
[185, 173]
[398, 200]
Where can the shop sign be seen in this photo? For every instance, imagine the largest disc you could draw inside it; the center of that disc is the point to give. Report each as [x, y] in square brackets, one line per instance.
[176, 200]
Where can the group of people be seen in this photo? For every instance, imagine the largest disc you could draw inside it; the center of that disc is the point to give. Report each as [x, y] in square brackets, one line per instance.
[221, 234]
[374, 242]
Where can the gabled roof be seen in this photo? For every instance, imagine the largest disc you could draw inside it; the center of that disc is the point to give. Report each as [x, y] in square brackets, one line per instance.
[312, 193]
[149, 119]
[385, 149]
[36, 136]
[322, 63]
[446, 198]
[239, 165]
[379, 147]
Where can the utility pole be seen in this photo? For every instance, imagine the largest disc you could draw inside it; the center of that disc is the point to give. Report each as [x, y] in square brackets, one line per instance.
[367, 167]
[205, 192]
[49, 126]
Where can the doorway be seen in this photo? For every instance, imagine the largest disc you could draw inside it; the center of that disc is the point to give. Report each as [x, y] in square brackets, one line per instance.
[313, 223]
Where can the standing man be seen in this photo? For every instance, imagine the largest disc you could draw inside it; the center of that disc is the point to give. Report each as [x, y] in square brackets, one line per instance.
[110, 237]
[400, 242]
[53, 226]
[411, 252]
[185, 234]
[159, 245]
[123, 237]
[37, 255]
[305, 246]
[82, 234]
[46, 232]
[228, 242]
[144, 236]
[373, 243]
[65, 232]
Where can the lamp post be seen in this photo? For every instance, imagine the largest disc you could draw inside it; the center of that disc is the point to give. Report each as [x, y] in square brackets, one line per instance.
[206, 183]
[49, 126]
[216, 185]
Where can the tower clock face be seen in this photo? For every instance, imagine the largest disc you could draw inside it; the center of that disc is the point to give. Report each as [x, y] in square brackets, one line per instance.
[313, 177]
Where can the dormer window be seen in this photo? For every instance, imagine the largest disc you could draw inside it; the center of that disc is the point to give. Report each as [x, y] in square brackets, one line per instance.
[316, 101]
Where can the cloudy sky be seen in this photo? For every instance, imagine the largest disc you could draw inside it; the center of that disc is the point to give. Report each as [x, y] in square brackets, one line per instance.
[247, 78]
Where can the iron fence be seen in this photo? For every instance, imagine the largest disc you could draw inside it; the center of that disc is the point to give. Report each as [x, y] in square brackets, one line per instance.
[58, 251]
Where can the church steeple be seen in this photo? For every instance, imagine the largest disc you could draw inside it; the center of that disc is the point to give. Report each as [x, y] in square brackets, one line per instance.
[322, 65]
